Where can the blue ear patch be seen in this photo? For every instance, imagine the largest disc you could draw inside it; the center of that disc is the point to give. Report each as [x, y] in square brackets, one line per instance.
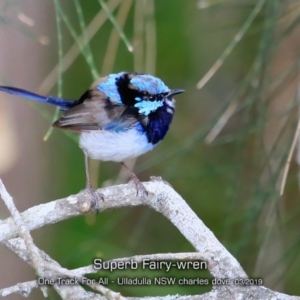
[146, 107]
[150, 84]
[109, 87]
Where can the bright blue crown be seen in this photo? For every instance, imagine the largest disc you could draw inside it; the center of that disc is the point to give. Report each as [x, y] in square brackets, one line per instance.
[149, 84]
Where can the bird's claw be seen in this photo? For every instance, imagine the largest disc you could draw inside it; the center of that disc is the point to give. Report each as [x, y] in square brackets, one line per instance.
[95, 197]
[141, 191]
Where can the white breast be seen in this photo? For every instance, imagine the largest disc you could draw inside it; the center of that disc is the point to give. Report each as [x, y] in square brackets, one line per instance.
[112, 146]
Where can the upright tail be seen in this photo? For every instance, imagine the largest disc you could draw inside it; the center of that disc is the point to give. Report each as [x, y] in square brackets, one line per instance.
[64, 104]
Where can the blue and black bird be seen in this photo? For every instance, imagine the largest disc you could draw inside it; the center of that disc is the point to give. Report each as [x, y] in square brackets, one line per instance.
[121, 116]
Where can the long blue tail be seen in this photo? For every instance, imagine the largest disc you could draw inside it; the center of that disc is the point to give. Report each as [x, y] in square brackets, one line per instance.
[51, 100]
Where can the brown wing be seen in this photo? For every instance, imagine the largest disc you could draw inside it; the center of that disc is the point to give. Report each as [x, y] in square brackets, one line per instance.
[95, 111]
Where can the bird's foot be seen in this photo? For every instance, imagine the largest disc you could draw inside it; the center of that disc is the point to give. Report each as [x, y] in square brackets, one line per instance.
[141, 191]
[96, 197]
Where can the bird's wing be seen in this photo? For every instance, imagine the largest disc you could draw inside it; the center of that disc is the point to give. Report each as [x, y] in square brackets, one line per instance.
[95, 111]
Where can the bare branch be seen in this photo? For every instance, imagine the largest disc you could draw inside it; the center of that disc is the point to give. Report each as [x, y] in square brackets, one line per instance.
[162, 198]
[46, 267]
[23, 289]
[53, 270]
[23, 231]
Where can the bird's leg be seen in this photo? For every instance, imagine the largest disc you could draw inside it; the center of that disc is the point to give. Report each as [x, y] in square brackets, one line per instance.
[140, 189]
[93, 192]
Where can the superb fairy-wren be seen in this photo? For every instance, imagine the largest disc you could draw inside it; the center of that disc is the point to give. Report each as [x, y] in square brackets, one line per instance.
[121, 116]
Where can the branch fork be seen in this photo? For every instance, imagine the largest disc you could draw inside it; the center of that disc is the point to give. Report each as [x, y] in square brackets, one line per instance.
[15, 235]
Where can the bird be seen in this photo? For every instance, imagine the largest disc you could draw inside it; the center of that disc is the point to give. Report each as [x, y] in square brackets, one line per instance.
[121, 116]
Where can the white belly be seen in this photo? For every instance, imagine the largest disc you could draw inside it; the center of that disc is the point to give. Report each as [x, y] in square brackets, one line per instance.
[112, 146]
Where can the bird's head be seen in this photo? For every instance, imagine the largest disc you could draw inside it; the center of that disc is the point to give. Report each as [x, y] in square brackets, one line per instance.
[144, 92]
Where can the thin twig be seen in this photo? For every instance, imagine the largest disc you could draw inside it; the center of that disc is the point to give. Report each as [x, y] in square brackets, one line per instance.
[24, 289]
[116, 25]
[52, 270]
[22, 229]
[288, 161]
[74, 51]
[231, 45]
[221, 122]
[114, 39]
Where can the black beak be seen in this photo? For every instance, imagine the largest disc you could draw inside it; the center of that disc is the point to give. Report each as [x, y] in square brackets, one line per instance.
[175, 92]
